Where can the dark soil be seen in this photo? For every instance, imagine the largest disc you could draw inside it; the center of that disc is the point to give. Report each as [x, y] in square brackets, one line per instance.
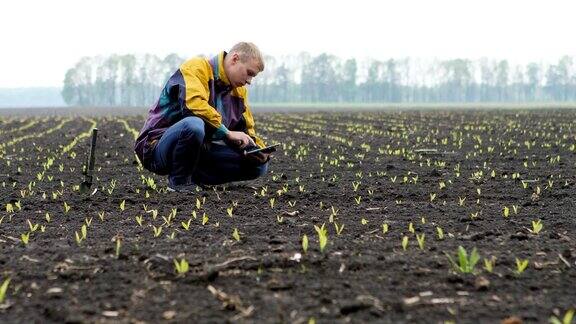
[397, 160]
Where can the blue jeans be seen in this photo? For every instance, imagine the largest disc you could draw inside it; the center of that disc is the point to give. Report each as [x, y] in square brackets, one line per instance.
[181, 154]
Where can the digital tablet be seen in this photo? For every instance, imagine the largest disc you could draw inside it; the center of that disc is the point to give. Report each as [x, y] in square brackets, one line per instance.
[267, 149]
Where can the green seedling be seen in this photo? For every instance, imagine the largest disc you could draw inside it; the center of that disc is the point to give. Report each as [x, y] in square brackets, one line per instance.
[66, 208]
[567, 319]
[9, 208]
[465, 264]
[3, 289]
[291, 203]
[404, 243]
[78, 237]
[186, 225]
[157, 230]
[101, 216]
[432, 197]
[521, 265]
[506, 211]
[489, 264]
[420, 239]
[229, 211]
[385, 228]
[118, 246]
[322, 236]
[33, 228]
[357, 200]
[123, 205]
[25, 238]
[236, 235]
[272, 201]
[339, 228]
[411, 228]
[204, 219]
[364, 221]
[440, 232]
[139, 220]
[536, 227]
[304, 243]
[47, 217]
[88, 221]
[279, 219]
[181, 267]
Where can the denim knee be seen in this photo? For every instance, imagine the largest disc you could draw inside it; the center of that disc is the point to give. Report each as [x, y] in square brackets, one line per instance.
[192, 127]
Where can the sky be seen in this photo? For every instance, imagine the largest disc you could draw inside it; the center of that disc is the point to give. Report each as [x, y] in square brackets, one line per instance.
[42, 39]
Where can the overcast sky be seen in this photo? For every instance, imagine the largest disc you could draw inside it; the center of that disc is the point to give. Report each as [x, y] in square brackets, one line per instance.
[42, 39]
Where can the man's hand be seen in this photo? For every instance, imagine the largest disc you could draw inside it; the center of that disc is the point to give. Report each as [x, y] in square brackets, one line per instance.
[239, 139]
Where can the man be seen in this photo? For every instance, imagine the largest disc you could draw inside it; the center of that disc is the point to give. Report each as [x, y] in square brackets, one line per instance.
[198, 130]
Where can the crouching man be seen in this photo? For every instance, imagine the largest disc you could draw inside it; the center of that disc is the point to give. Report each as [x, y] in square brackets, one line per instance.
[200, 126]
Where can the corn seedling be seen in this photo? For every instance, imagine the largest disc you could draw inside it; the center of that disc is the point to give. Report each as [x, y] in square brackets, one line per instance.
[420, 239]
[204, 219]
[291, 203]
[506, 211]
[404, 243]
[186, 225]
[304, 243]
[440, 232]
[123, 205]
[66, 208]
[322, 236]
[364, 221]
[339, 228]
[536, 227]
[272, 200]
[118, 246]
[101, 216]
[33, 228]
[567, 319]
[521, 265]
[157, 230]
[357, 200]
[461, 201]
[3, 289]
[25, 238]
[181, 267]
[236, 235]
[229, 211]
[465, 264]
[280, 219]
[432, 197]
[139, 220]
[411, 228]
[384, 228]
[489, 264]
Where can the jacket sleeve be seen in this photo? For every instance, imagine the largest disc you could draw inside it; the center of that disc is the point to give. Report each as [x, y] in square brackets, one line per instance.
[250, 119]
[196, 74]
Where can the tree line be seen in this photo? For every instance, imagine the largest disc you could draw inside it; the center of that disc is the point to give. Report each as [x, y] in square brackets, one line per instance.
[130, 80]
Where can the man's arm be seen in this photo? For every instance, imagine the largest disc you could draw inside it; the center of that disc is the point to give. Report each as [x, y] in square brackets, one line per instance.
[196, 74]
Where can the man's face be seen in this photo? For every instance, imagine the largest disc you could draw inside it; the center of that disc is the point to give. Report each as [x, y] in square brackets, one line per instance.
[241, 73]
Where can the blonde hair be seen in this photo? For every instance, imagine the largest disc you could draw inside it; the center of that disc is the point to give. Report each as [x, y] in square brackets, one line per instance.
[248, 51]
